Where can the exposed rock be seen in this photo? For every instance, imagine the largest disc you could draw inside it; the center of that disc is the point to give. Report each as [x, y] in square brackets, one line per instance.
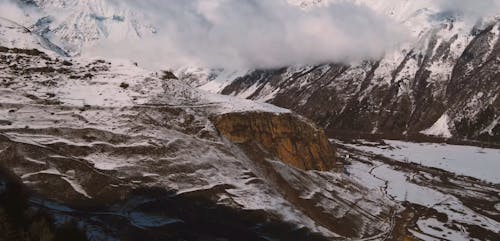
[292, 139]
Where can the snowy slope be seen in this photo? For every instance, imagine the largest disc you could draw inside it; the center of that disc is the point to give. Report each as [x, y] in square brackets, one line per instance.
[448, 66]
[77, 25]
[15, 35]
[98, 130]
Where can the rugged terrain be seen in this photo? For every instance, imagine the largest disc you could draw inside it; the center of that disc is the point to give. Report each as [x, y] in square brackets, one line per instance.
[121, 154]
[101, 149]
[442, 82]
[286, 136]
[103, 143]
[438, 204]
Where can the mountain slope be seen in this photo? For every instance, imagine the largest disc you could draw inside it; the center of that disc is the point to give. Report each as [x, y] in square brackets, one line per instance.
[15, 35]
[84, 23]
[113, 138]
[131, 154]
[443, 82]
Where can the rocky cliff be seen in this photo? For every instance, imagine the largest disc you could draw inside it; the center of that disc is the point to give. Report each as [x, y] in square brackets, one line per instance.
[287, 136]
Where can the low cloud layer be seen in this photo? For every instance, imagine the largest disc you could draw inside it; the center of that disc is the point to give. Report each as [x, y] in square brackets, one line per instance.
[470, 8]
[12, 11]
[258, 33]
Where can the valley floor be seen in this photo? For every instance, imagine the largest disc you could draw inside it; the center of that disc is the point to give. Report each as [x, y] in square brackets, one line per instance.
[447, 192]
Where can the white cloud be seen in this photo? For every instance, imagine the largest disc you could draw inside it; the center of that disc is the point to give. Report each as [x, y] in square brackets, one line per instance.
[257, 33]
[470, 8]
[261, 33]
[10, 10]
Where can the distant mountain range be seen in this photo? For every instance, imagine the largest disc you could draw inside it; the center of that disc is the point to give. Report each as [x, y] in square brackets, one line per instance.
[442, 82]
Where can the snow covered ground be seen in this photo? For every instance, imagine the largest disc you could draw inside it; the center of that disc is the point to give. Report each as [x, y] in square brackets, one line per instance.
[450, 207]
[88, 118]
[480, 163]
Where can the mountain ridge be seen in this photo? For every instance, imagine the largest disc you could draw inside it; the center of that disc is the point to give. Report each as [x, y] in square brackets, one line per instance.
[131, 154]
[438, 77]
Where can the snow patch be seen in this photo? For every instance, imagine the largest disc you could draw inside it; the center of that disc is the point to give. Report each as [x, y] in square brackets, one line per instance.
[51, 171]
[35, 161]
[77, 187]
[491, 127]
[401, 189]
[440, 128]
[480, 163]
[437, 229]
[422, 236]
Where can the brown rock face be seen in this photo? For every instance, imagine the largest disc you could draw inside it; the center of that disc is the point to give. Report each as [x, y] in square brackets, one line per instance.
[289, 137]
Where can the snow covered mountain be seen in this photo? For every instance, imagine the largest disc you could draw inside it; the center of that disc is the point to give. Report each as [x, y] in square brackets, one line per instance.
[77, 25]
[112, 135]
[443, 81]
[106, 134]
[125, 153]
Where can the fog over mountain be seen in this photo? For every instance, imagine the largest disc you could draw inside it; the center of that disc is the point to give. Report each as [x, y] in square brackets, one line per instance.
[243, 34]
[247, 120]
[472, 9]
[231, 33]
[258, 33]
[268, 34]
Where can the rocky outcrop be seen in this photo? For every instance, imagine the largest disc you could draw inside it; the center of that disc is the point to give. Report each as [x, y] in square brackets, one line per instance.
[292, 139]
